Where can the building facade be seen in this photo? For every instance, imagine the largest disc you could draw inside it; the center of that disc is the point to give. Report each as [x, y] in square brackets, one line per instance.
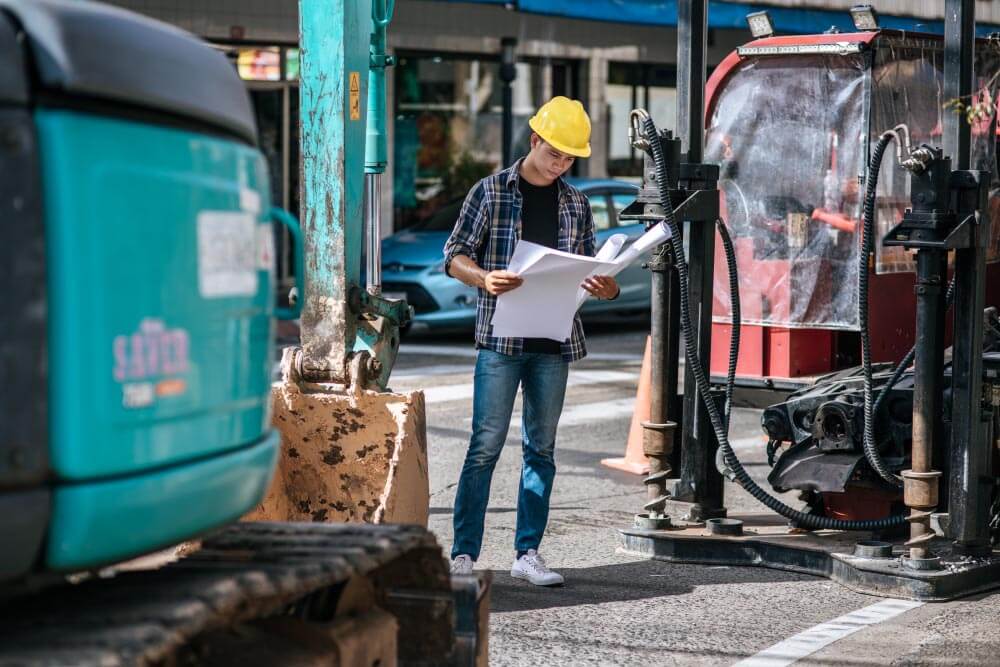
[445, 91]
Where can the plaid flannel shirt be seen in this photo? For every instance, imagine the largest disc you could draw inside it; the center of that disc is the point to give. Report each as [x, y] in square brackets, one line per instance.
[488, 228]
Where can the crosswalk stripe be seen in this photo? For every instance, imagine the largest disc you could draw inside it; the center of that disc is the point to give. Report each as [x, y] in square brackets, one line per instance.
[582, 414]
[586, 413]
[463, 351]
[427, 371]
[462, 391]
[817, 637]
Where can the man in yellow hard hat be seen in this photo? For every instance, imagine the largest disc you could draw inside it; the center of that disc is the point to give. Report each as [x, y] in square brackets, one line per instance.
[529, 201]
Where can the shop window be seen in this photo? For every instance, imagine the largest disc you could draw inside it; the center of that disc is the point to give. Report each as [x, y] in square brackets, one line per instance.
[263, 62]
[447, 120]
[259, 64]
[292, 64]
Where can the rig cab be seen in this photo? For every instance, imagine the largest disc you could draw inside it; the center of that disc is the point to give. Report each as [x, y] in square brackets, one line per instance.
[792, 121]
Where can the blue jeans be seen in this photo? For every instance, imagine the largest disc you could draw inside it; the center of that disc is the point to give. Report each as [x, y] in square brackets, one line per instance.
[542, 378]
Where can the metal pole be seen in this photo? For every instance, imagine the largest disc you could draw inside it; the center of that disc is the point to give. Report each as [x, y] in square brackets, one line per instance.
[663, 373]
[959, 42]
[673, 406]
[658, 436]
[508, 72]
[921, 481]
[376, 150]
[699, 443]
[373, 233]
[969, 488]
[692, 36]
[658, 433]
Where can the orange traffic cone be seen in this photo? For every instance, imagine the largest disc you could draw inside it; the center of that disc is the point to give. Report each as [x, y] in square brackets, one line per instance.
[635, 461]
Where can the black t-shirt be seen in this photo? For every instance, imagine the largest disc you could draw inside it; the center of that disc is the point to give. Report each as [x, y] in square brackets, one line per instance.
[540, 224]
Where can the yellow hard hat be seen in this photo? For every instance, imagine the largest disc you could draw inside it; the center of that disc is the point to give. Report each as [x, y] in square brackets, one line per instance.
[564, 125]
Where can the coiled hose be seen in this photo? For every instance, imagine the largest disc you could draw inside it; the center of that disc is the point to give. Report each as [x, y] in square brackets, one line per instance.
[867, 232]
[871, 408]
[734, 305]
[809, 521]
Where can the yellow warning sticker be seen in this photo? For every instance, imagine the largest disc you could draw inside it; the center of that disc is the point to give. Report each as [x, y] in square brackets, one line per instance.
[355, 97]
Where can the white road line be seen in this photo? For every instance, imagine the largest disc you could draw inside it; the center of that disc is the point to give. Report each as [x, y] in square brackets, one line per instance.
[576, 378]
[426, 371]
[461, 351]
[456, 369]
[586, 413]
[453, 392]
[815, 638]
[582, 377]
[613, 356]
[576, 415]
[440, 350]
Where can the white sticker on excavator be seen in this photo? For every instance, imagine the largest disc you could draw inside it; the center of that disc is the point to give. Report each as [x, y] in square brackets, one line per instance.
[250, 200]
[227, 254]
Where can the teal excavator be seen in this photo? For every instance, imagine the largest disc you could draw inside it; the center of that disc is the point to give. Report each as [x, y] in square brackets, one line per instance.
[137, 346]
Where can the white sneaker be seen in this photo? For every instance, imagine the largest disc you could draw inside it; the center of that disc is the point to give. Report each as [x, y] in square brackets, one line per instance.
[532, 567]
[461, 565]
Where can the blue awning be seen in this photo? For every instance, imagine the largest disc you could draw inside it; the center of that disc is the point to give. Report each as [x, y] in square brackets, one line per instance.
[721, 15]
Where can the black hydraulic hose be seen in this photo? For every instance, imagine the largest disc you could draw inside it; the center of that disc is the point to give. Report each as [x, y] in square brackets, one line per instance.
[809, 521]
[734, 305]
[867, 232]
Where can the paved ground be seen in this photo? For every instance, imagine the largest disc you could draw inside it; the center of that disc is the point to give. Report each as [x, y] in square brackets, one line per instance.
[617, 609]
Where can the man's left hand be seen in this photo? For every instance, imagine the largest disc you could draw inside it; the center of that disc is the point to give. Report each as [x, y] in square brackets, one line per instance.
[603, 287]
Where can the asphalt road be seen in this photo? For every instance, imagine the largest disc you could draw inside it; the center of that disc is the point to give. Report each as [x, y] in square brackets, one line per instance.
[618, 609]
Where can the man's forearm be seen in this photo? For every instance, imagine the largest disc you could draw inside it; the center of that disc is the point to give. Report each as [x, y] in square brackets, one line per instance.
[464, 269]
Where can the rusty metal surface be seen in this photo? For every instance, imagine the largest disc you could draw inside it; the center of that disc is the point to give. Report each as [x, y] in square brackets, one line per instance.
[334, 41]
[356, 456]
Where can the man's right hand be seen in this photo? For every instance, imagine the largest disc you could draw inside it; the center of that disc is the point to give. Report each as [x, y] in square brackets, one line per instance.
[498, 282]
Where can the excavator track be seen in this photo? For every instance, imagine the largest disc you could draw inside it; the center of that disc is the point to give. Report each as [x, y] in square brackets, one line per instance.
[245, 572]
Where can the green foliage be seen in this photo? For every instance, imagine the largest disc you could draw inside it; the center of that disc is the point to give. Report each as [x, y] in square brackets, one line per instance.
[981, 105]
[974, 111]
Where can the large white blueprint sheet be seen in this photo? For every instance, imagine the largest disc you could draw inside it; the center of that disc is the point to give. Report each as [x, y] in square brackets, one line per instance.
[546, 302]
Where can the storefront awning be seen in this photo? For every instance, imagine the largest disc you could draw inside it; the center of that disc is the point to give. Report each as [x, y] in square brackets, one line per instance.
[721, 15]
